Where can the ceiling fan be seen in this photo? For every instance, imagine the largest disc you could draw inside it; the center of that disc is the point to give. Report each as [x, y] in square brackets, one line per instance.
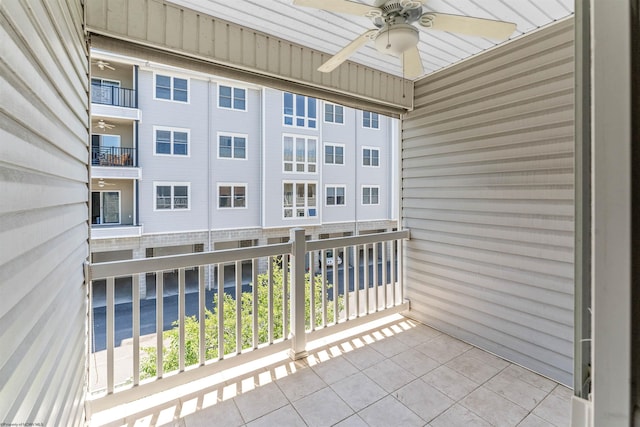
[103, 64]
[102, 125]
[102, 183]
[395, 34]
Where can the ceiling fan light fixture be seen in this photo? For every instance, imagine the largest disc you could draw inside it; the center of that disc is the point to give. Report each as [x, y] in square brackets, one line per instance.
[397, 39]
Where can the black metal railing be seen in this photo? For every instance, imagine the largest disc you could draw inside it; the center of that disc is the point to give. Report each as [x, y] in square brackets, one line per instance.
[113, 95]
[112, 156]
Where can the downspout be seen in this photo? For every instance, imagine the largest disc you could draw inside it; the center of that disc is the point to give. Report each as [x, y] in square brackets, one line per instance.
[137, 150]
[356, 192]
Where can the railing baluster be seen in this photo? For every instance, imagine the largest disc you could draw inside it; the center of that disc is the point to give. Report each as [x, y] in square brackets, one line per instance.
[135, 314]
[312, 293]
[323, 276]
[159, 323]
[181, 319]
[285, 296]
[220, 311]
[336, 285]
[254, 292]
[365, 267]
[375, 276]
[400, 271]
[238, 307]
[356, 277]
[270, 301]
[202, 296]
[384, 273]
[393, 272]
[110, 332]
[345, 280]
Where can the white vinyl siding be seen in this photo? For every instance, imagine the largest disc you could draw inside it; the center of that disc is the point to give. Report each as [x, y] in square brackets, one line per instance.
[44, 218]
[488, 193]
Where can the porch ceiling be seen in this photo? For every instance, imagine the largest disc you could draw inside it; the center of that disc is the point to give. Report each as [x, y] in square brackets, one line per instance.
[329, 32]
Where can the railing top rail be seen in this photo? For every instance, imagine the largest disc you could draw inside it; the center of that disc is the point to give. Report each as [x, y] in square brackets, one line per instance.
[316, 245]
[104, 270]
[128, 267]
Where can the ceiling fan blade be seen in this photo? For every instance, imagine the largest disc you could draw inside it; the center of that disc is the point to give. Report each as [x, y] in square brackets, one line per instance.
[340, 6]
[412, 63]
[496, 30]
[346, 52]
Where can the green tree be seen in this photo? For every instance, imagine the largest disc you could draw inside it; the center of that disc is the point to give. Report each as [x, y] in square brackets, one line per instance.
[229, 310]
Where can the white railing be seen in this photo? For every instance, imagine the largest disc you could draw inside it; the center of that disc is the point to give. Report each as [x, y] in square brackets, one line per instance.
[269, 308]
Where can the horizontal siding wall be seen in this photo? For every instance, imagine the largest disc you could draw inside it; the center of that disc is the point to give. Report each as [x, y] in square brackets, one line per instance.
[44, 212]
[487, 191]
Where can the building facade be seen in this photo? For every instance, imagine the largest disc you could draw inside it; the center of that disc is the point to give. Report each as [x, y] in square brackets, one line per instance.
[187, 162]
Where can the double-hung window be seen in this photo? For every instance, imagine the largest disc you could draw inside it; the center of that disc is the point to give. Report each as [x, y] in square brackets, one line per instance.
[335, 195]
[232, 146]
[171, 196]
[171, 88]
[370, 120]
[232, 196]
[171, 141]
[370, 157]
[299, 199]
[299, 110]
[299, 154]
[333, 154]
[233, 98]
[370, 195]
[333, 113]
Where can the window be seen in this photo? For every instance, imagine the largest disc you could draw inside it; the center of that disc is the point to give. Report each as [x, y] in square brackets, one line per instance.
[333, 154]
[370, 157]
[299, 110]
[370, 120]
[170, 141]
[105, 207]
[105, 91]
[232, 196]
[171, 196]
[231, 146]
[370, 195]
[299, 154]
[299, 200]
[335, 195]
[333, 113]
[172, 88]
[233, 98]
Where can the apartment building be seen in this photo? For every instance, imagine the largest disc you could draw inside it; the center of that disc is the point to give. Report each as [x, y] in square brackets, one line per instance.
[184, 162]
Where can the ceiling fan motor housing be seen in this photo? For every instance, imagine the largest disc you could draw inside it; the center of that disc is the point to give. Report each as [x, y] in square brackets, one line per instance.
[396, 39]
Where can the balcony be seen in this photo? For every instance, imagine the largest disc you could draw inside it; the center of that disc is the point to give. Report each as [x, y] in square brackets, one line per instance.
[295, 349]
[114, 101]
[113, 156]
[113, 95]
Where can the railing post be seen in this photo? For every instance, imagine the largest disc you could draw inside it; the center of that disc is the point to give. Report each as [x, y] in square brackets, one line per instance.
[298, 334]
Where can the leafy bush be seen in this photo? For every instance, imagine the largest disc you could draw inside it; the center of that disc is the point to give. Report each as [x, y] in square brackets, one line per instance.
[192, 328]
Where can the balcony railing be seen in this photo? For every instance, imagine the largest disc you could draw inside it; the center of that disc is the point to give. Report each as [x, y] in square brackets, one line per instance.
[268, 298]
[113, 95]
[112, 156]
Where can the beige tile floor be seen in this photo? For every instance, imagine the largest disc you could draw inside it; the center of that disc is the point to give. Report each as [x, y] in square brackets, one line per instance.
[401, 373]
